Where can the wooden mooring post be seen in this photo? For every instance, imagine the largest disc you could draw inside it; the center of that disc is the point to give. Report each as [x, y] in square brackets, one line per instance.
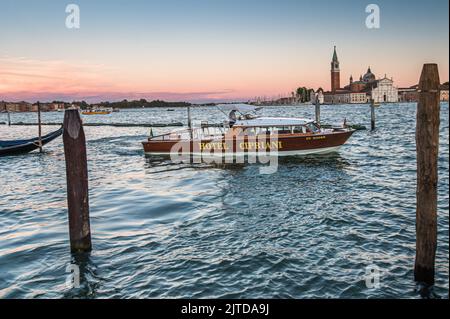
[189, 121]
[9, 118]
[77, 182]
[372, 114]
[317, 111]
[39, 126]
[427, 144]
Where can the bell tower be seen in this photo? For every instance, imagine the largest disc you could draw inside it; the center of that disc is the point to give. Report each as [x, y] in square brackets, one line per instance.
[335, 73]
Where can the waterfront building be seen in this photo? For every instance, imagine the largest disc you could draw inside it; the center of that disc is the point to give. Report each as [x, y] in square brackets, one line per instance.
[18, 107]
[383, 91]
[335, 73]
[444, 92]
[361, 91]
[314, 96]
[410, 94]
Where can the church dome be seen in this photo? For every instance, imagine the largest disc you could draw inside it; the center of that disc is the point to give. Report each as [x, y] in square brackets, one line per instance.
[369, 76]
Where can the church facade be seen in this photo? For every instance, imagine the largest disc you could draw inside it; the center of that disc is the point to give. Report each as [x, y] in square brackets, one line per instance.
[364, 90]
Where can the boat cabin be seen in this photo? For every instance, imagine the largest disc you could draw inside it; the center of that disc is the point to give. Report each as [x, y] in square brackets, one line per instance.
[272, 126]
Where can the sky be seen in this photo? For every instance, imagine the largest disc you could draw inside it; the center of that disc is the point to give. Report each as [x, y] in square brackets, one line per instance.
[210, 50]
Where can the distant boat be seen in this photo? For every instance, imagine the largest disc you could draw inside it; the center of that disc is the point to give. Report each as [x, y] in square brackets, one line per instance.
[170, 110]
[16, 147]
[97, 112]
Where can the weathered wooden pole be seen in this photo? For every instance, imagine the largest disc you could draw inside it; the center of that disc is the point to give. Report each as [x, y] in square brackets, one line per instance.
[39, 126]
[77, 182]
[372, 114]
[427, 145]
[317, 111]
[9, 118]
[190, 121]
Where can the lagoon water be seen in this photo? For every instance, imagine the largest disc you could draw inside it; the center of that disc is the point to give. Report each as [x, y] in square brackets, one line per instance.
[166, 230]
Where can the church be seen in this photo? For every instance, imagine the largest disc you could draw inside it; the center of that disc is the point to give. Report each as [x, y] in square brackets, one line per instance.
[361, 91]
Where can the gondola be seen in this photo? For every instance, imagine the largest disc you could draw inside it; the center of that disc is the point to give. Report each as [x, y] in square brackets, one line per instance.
[16, 147]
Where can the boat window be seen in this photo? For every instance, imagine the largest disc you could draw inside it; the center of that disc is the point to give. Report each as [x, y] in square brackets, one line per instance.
[298, 129]
[284, 130]
[250, 131]
[312, 128]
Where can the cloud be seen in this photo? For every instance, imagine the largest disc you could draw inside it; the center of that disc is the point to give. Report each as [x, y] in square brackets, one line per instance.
[23, 79]
[21, 75]
[95, 97]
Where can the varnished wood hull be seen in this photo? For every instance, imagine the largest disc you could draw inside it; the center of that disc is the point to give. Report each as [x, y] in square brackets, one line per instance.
[285, 145]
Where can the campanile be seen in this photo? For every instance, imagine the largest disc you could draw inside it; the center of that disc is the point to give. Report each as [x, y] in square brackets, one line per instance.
[335, 73]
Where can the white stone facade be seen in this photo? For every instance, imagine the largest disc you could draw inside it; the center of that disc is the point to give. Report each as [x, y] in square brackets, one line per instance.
[385, 92]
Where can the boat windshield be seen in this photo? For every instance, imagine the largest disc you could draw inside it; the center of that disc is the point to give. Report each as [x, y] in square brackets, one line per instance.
[312, 127]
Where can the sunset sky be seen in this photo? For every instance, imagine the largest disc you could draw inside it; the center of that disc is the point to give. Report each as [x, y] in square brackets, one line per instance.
[210, 50]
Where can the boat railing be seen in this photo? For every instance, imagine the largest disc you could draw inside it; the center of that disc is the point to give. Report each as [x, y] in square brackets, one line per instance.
[203, 132]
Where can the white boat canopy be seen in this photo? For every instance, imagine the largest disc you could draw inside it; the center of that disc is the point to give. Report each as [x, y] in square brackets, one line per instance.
[273, 122]
[241, 108]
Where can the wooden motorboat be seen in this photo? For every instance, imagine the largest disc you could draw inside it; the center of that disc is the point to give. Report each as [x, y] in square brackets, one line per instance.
[97, 112]
[252, 135]
[16, 147]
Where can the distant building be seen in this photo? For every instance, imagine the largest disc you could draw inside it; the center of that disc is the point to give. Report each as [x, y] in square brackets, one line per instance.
[314, 96]
[383, 91]
[444, 92]
[362, 91]
[18, 107]
[410, 94]
[335, 73]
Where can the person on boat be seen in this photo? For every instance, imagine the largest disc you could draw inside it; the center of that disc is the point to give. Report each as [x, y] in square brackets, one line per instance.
[232, 118]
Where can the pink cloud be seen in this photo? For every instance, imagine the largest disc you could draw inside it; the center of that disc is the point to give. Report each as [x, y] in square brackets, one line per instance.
[48, 80]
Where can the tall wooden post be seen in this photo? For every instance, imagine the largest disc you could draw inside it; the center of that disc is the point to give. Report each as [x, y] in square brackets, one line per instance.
[427, 145]
[317, 111]
[372, 114]
[77, 182]
[9, 118]
[190, 122]
[39, 126]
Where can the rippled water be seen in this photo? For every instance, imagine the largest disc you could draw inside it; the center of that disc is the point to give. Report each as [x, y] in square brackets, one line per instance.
[176, 230]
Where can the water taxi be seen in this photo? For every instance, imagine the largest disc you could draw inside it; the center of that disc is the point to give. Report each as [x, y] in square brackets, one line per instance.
[97, 112]
[248, 134]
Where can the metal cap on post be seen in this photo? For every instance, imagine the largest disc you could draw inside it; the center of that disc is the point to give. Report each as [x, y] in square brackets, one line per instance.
[77, 182]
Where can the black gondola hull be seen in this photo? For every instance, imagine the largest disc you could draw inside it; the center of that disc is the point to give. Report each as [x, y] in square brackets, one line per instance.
[8, 148]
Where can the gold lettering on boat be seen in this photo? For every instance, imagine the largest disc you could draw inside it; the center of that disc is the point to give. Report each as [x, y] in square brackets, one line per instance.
[213, 146]
[250, 146]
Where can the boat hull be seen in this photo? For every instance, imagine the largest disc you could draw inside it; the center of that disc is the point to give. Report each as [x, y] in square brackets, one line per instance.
[289, 145]
[18, 147]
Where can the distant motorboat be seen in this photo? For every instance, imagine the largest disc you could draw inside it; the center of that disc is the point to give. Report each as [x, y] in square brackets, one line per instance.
[97, 112]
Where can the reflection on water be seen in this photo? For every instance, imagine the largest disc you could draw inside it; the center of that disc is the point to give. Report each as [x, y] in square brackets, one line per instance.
[169, 230]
